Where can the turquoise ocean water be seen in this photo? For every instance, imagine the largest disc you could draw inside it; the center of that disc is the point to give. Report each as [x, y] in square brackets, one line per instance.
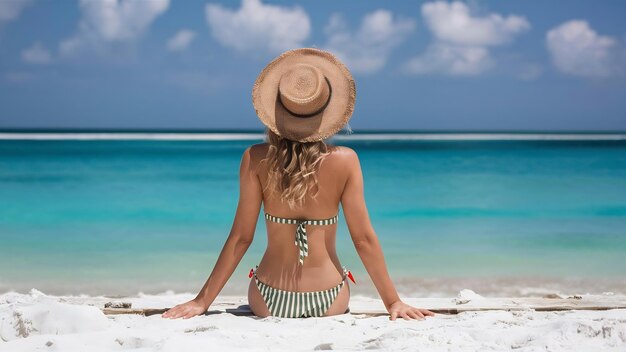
[123, 216]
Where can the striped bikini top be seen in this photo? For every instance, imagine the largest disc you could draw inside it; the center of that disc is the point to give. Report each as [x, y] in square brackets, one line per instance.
[301, 239]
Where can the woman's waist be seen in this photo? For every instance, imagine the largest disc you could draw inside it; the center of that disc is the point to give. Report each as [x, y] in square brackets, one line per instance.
[316, 254]
[316, 274]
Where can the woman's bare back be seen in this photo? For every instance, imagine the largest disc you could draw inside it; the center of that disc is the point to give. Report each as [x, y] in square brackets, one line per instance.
[279, 266]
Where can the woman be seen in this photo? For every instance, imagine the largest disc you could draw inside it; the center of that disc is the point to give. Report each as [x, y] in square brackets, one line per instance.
[303, 97]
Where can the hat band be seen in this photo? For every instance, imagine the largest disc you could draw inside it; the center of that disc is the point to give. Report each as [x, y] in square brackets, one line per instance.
[330, 93]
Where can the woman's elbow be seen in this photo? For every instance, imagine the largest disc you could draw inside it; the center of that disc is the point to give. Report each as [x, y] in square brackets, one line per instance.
[364, 242]
[245, 239]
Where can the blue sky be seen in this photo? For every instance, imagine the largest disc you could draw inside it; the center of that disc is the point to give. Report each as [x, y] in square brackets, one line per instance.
[418, 65]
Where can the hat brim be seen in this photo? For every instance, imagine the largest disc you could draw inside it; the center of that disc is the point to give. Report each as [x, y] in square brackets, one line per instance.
[269, 109]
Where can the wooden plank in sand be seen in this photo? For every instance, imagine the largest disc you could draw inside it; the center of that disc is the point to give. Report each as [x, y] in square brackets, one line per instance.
[375, 307]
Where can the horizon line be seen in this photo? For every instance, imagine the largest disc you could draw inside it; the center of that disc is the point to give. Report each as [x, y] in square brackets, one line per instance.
[341, 132]
[377, 136]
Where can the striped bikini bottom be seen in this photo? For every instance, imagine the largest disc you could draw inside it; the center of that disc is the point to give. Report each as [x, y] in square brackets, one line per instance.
[295, 304]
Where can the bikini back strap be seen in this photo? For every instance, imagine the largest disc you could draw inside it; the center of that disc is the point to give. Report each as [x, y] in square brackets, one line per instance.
[328, 221]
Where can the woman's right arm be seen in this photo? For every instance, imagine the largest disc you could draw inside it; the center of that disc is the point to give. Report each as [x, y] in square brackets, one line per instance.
[236, 245]
[367, 244]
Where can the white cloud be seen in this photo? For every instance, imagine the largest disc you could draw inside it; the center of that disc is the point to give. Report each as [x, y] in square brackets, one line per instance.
[257, 26]
[11, 9]
[451, 59]
[36, 54]
[453, 23]
[577, 49]
[367, 49]
[462, 41]
[181, 40]
[111, 21]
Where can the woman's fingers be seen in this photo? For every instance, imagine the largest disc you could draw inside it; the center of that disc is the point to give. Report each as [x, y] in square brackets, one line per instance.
[407, 313]
[415, 315]
[185, 310]
[427, 312]
[412, 315]
[168, 313]
[190, 314]
[182, 312]
[174, 312]
[418, 313]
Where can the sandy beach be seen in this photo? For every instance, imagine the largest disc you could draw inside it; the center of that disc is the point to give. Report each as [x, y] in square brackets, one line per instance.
[34, 321]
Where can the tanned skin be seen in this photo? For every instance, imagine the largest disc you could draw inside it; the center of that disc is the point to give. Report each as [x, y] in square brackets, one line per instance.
[341, 182]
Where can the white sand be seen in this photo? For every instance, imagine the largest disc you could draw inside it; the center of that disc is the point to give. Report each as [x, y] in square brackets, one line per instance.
[38, 322]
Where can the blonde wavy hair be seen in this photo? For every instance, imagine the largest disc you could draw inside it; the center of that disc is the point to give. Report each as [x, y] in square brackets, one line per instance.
[292, 168]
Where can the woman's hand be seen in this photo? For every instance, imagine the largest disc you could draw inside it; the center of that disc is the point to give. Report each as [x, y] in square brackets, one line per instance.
[407, 312]
[186, 310]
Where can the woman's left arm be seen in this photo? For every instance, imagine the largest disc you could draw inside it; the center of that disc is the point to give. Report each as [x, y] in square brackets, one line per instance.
[237, 243]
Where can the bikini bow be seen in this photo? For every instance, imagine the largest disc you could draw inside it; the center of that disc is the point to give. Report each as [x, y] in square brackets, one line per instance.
[301, 241]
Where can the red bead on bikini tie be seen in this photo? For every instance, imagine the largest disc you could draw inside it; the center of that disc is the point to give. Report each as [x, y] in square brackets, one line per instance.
[350, 276]
[251, 272]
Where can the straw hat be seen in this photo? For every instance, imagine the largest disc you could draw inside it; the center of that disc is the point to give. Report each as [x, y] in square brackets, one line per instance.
[304, 95]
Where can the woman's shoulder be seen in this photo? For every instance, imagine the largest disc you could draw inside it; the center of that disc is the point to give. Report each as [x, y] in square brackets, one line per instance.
[344, 151]
[257, 151]
[258, 147]
[344, 155]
